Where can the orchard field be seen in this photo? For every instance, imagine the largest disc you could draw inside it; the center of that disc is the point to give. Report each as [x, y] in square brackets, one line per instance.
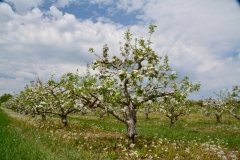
[195, 136]
[133, 107]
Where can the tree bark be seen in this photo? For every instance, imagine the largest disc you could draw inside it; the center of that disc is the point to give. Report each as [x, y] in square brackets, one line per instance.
[172, 122]
[131, 122]
[64, 119]
[218, 117]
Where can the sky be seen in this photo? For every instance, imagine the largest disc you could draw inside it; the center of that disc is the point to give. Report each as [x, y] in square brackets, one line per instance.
[45, 37]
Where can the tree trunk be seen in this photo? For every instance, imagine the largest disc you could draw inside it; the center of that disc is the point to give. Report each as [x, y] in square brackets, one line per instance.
[131, 122]
[147, 115]
[218, 118]
[172, 122]
[64, 120]
[44, 117]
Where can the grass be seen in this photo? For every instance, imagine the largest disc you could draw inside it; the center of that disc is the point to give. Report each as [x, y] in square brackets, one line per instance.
[15, 143]
[89, 137]
[187, 128]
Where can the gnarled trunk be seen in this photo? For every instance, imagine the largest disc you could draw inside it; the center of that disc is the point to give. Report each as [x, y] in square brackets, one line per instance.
[131, 122]
[172, 119]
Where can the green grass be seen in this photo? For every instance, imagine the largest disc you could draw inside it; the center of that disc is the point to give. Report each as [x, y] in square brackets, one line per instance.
[186, 128]
[89, 137]
[14, 143]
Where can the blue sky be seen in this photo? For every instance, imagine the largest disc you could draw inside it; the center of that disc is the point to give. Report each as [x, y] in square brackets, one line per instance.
[201, 38]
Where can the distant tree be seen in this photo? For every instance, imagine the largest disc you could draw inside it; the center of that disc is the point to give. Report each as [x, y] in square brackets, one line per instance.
[137, 77]
[58, 97]
[173, 107]
[5, 97]
[148, 108]
[216, 106]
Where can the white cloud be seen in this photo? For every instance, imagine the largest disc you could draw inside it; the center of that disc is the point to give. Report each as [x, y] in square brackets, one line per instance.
[6, 12]
[56, 44]
[54, 12]
[131, 5]
[23, 6]
[64, 3]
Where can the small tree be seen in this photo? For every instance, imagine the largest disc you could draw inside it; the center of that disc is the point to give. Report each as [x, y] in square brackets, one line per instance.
[137, 77]
[5, 97]
[216, 106]
[148, 108]
[173, 107]
[57, 97]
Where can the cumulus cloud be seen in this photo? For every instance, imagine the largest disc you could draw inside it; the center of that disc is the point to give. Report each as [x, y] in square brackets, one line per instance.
[57, 43]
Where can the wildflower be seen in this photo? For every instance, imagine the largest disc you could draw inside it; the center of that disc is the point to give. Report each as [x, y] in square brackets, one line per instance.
[132, 145]
[187, 150]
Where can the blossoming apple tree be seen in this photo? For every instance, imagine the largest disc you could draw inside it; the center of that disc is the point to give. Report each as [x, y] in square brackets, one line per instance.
[173, 107]
[216, 106]
[57, 97]
[136, 77]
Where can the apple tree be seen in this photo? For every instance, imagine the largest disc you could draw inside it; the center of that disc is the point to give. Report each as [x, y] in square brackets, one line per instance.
[136, 77]
[216, 106]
